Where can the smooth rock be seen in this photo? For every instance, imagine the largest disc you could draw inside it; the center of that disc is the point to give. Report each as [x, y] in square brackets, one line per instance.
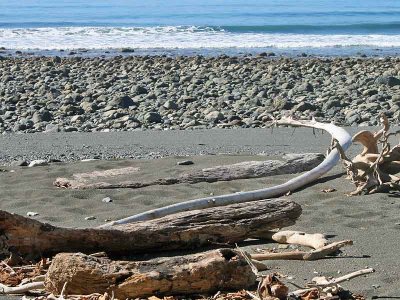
[107, 200]
[32, 214]
[37, 163]
[152, 117]
[185, 163]
[388, 80]
[19, 163]
[123, 101]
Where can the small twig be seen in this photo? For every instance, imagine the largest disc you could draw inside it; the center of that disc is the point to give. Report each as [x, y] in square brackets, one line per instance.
[338, 280]
[301, 292]
[63, 291]
[8, 267]
[255, 297]
[353, 275]
[249, 261]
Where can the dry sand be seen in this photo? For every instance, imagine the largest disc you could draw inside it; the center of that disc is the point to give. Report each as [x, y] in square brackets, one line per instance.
[373, 221]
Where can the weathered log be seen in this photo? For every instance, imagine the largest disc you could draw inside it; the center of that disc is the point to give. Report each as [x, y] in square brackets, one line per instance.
[207, 272]
[294, 163]
[185, 230]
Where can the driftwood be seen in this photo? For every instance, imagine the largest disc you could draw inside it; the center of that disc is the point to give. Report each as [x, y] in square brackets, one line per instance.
[316, 254]
[322, 287]
[250, 169]
[208, 272]
[339, 134]
[21, 289]
[228, 224]
[374, 170]
[313, 240]
[321, 246]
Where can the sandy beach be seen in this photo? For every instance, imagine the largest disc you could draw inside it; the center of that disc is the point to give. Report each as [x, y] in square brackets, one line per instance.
[372, 221]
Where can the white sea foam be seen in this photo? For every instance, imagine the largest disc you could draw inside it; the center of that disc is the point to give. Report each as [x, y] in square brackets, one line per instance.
[179, 37]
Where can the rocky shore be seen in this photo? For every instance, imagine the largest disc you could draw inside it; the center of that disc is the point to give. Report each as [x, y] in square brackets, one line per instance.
[152, 92]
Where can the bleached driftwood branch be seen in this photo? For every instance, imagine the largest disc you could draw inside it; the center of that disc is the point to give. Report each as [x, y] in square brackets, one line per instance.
[321, 282]
[303, 255]
[21, 289]
[313, 240]
[330, 161]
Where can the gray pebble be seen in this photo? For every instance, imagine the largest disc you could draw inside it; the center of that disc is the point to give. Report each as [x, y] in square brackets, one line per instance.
[107, 200]
[185, 163]
[19, 163]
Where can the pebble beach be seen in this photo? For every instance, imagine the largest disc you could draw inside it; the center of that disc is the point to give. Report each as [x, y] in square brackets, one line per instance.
[51, 94]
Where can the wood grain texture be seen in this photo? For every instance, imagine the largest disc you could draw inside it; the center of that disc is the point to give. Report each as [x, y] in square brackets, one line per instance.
[185, 230]
[207, 272]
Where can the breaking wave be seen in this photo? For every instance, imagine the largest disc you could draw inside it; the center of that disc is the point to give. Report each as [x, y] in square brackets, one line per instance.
[186, 37]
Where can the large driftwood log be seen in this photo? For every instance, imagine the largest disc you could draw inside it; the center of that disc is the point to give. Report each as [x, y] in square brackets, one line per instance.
[228, 224]
[207, 272]
[294, 163]
[337, 133]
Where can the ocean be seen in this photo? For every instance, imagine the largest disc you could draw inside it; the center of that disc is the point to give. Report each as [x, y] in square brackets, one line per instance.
[203, 26]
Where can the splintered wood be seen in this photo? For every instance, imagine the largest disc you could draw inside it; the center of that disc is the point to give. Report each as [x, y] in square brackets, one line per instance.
[375, 168]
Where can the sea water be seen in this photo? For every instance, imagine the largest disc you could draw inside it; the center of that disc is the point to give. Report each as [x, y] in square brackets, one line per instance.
[225, 26]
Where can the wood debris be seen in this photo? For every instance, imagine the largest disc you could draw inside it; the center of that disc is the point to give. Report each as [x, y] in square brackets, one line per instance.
[375, 168]
[328, 190]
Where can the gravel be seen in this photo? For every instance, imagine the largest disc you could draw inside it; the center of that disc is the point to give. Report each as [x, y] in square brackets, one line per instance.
[52, 94]
[17, 149]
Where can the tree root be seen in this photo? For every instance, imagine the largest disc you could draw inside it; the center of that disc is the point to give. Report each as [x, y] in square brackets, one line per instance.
[373, 170]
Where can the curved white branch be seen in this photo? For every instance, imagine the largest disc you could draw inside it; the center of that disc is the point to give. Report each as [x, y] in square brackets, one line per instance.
[341, 135]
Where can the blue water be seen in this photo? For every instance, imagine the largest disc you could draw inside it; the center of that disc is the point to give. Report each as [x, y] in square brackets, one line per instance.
[200, 24]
